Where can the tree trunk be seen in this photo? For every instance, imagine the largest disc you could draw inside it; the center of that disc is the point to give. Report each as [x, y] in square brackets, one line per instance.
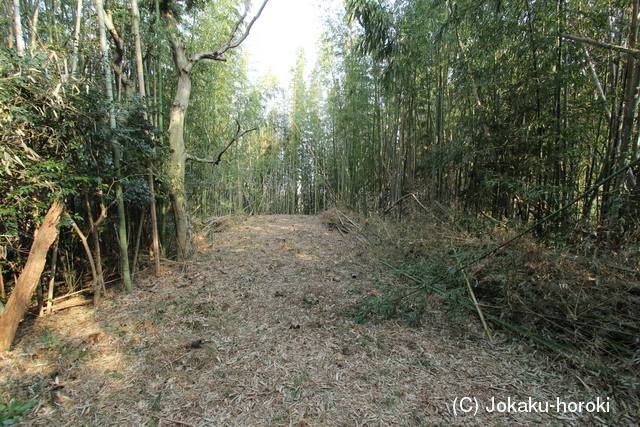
[122, 224]
[177, 165]
[76, 39]
[625, 145]
[138, 44]
[30, 276]
[158, 83]
[98, 288]
[178, 159]
[632, 74]
[136, 249]
[34, 27]
[10, 28]
[18, 27]
[141, 91]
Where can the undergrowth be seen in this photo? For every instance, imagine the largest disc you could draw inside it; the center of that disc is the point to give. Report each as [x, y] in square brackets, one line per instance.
[581, 300]
[11, 412]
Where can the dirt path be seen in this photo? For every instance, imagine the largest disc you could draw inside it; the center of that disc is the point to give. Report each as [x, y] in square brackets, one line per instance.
[267, 298]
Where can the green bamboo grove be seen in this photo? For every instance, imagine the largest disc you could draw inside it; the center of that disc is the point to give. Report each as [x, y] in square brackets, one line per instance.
[501, 109]
[492, 108]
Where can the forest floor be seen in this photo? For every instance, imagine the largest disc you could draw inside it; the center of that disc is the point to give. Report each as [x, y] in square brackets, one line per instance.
[266, 298]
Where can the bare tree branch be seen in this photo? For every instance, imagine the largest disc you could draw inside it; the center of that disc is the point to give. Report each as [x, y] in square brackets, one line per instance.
[236, 27]
[633, 52]
[239, 134]
[246, 32]
[213, 55]
[218, 55]
[83, 238]
[118, 62]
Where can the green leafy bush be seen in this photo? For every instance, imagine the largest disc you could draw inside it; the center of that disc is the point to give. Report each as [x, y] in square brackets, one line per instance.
[11, 412]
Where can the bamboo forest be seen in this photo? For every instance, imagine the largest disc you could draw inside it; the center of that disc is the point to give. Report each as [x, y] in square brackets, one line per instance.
[432, 220]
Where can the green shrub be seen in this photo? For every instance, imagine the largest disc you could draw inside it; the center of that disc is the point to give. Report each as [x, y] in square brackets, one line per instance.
[11, 412]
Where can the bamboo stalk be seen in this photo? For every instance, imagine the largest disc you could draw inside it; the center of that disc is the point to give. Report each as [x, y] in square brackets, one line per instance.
[122, 225]
[71, 304]
[2, 291]
[617, 267]
[136, 251]
[68, 295]
[478, 309]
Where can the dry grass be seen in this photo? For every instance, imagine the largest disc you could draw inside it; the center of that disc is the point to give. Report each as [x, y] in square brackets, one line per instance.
[266, 298]
[583, 299]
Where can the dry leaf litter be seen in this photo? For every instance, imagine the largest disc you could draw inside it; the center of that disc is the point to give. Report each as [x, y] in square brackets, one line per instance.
[252, 332]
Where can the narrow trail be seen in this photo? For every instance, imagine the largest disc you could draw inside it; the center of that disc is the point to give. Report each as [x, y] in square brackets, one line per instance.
[266, 297]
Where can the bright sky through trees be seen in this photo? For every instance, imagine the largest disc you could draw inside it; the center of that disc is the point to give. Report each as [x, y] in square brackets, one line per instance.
[283, 27]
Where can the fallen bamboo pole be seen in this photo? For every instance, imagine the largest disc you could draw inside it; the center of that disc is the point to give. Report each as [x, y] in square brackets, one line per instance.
[466, 304]
[478, 309]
